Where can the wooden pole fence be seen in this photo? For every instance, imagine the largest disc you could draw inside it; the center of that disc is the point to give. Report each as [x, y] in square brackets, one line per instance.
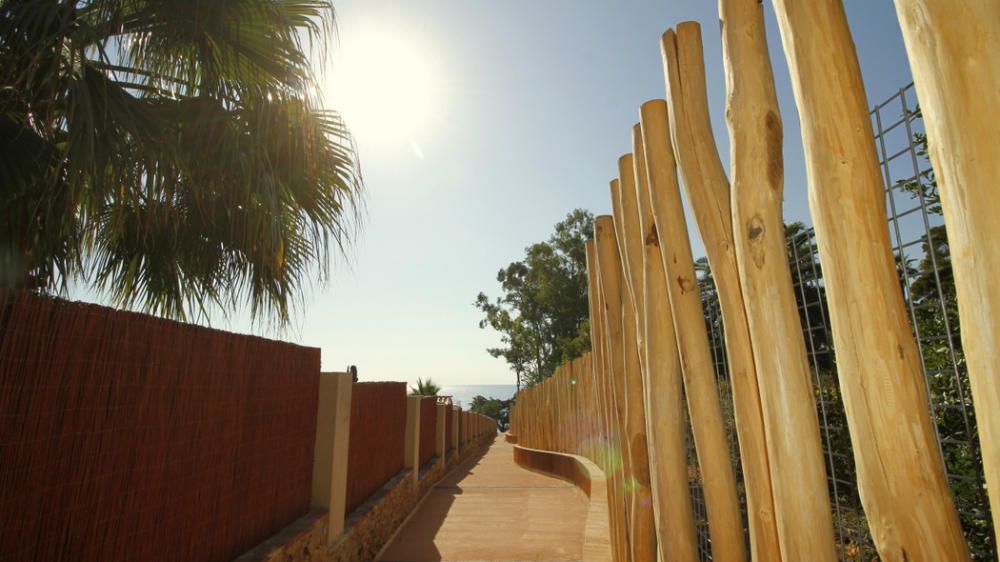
[630, 249]
[895, 449]
[707, 189]
[622, 404]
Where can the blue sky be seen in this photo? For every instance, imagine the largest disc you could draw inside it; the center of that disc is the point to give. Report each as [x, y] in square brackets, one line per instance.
[533, 102]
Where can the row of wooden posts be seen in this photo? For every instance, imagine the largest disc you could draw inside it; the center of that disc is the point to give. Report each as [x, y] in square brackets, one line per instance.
[333, 421]
[623, 403]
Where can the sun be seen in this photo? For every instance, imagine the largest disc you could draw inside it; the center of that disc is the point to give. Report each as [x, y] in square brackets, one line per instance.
[383, 85]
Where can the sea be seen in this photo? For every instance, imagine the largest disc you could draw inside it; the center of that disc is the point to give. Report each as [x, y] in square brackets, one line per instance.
[462, 394]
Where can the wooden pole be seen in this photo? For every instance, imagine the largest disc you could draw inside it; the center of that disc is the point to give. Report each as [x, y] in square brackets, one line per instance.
[805, 525]
[953, 50]
[725, 523]
[596, 337]
[662, 379]
[609, 266]
[901, 477]
[707, 190]
[626, 220]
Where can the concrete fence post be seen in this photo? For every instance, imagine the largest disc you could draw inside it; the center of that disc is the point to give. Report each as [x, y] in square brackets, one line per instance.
[333, 421]
[456, 414]
[411, 456]
[442, 421]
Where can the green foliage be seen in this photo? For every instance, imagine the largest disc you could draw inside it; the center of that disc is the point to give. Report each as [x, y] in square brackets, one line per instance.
[425, 388]
[543, 315]
[171, 153]
[495, 408]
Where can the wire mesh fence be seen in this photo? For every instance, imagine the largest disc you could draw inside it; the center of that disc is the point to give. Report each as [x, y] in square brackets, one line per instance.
[917, 231]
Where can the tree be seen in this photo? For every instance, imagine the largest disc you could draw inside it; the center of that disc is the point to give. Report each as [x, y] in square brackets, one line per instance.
[425, 388]
[543, 314]
[495, 408]
[170, 152]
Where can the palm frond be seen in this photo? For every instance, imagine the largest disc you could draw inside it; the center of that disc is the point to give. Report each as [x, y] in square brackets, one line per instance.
[180, 159]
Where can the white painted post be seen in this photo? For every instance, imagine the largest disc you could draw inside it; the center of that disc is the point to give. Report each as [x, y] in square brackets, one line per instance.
[411, 456]
[333, 421]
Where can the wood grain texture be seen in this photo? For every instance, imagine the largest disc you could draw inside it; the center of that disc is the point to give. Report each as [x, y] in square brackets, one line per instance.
[662, 378]
[805, 525]
[953, 49]
[707, 189]
[610, 281]
[901, 477]
[626, 221]
[719, 482]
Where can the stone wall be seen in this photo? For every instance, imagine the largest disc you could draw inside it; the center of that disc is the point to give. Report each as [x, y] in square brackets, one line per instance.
[369, 527]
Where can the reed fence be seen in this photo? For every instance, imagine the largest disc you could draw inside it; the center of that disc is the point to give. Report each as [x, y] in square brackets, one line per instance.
[376, 445]
[127, 437]
[428, 419]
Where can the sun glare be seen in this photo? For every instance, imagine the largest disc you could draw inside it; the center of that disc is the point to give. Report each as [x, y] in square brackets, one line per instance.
[383, 85]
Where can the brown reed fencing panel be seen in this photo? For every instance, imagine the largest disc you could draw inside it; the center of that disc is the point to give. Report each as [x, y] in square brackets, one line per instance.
[128, 437]
[428, 428]
[378, 438]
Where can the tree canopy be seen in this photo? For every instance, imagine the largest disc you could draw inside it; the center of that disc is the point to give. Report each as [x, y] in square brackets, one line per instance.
[425, 388]
[171, 153]
[542, 313]
[494, 408]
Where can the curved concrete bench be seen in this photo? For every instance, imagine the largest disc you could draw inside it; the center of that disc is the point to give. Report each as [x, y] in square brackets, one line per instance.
[586, 476]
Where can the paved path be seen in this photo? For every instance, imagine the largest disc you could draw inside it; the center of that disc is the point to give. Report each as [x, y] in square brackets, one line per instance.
[491, 509]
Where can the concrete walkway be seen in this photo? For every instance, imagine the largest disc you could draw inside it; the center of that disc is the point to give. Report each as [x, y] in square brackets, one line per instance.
[491, 509]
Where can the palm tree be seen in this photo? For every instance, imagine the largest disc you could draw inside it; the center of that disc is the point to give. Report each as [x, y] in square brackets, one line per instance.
[170, 152]
[425, 388]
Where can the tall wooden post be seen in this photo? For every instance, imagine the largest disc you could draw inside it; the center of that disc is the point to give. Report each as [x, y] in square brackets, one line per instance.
[597, 349]
[794, 446]
[627, 232]
[333, 430]
[668, 469]
[953, 50]
[708, 192]
[901, 477]
[725, 521]
[604, 426]
[609, 267]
